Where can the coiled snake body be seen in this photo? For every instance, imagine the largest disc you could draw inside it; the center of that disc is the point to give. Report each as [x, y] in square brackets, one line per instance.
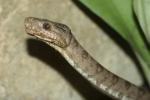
[59, 36]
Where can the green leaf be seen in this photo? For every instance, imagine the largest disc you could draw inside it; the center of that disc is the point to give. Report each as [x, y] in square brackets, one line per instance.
[142, 11]
[119, 15]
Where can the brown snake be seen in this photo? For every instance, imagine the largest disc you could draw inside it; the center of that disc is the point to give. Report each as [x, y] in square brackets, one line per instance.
[59, 36]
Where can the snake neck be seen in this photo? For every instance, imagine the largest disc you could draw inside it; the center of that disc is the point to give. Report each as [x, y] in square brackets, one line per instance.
[99, 76]
[79, 57]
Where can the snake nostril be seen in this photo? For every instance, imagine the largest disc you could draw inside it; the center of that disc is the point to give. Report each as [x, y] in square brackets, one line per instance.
[27, 19]
[27, 22]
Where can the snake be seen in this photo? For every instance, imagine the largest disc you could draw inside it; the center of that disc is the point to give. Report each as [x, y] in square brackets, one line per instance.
[60, 37]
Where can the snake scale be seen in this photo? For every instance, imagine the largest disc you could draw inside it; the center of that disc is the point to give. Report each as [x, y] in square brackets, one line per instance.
[60, 37]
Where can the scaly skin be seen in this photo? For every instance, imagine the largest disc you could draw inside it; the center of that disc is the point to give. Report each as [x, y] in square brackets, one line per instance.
[59, 36]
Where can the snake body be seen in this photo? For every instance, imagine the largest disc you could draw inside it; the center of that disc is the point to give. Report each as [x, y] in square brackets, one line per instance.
[60, 37]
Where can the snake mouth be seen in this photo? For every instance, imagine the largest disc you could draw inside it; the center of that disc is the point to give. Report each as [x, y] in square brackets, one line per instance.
[39, 36]
[42, 37]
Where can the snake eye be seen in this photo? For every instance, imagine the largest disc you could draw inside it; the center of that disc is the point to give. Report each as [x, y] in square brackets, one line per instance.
[46, 26]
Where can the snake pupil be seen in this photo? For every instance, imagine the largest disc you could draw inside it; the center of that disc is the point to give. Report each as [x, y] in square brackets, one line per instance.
[46, 26]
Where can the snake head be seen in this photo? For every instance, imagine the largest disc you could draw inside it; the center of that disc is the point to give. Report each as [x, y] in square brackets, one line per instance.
[51, 32]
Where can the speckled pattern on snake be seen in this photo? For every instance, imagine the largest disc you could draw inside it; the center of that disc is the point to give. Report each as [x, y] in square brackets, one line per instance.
[60, 37]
